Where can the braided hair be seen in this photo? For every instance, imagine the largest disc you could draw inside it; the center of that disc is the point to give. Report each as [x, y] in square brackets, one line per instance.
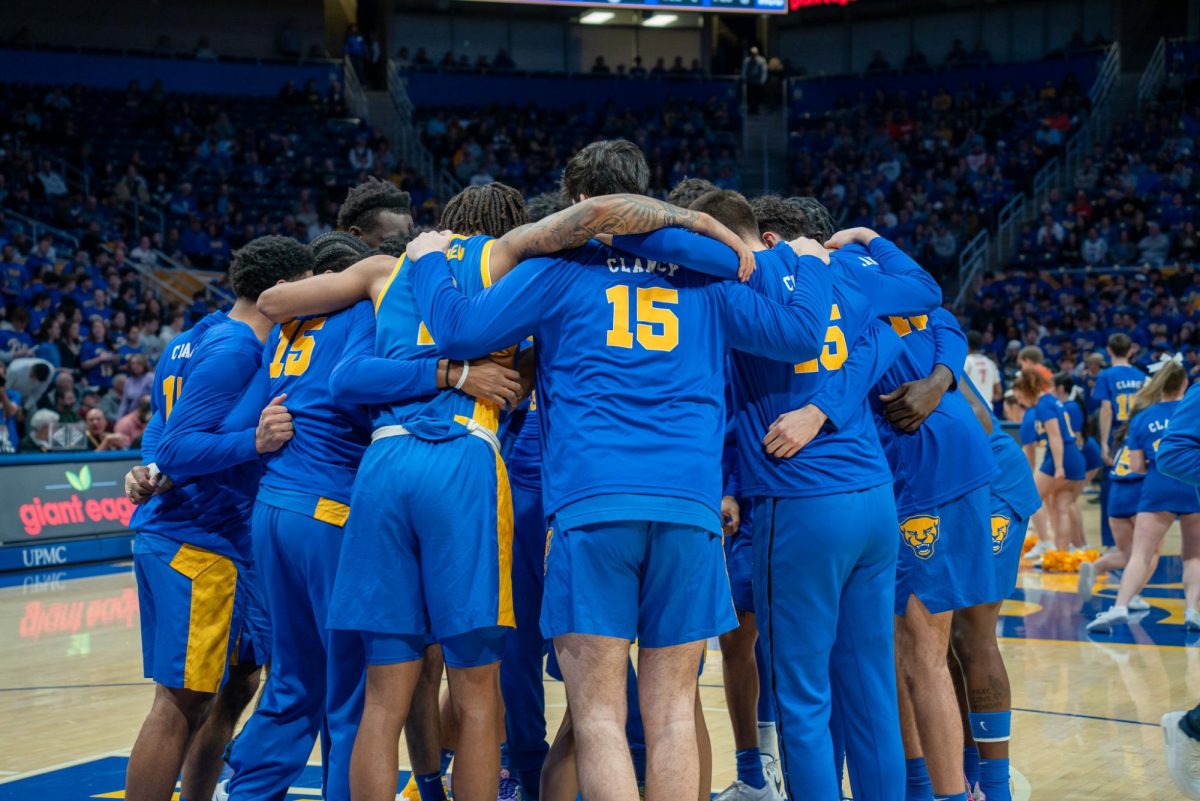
[493, 209]
[336, 250]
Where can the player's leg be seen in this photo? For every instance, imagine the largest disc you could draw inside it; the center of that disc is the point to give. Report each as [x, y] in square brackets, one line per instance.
[740, 672]
[1106, 534]
[162, 743]
[704, 747]
[393, 666]
[667, 688]
[916, 775]
[521, 669]
[594, 672]
[202, 767]
[473, 670]
[559, 781]
[1149, 528]
[970, 749]
[799, 573]
[989, 695]
[1190, 529]
[422, 730]
[1075, 491]
[862, 666]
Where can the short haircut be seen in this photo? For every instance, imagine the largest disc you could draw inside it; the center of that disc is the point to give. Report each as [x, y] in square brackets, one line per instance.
[730, 209]
[262, 263]
[42, 417]
[1032, 353]
[493, 209]
[974, 340]
[607, 167]
[773, 213]
[1065, 381]
[818, 222]
[689, 190]
[1120, 345]
[365, 202]
[539, 207]
[332, 250]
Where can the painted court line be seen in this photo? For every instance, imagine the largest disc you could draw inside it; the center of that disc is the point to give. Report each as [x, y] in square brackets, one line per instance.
[1080, 715]
[62, 766]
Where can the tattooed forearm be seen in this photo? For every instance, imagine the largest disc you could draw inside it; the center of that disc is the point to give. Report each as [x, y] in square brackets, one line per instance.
[609, 214]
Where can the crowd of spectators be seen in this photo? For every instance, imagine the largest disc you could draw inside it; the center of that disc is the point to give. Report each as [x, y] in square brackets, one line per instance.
[930, 170]
[959, 56]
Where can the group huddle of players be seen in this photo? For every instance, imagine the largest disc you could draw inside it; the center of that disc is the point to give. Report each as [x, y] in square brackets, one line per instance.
[627, 421]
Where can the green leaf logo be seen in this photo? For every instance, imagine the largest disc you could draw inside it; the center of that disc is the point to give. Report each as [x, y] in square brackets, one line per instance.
[81, 481]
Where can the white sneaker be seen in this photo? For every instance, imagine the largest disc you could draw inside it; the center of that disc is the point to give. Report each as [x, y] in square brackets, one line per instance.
[1087, 579]
[1191, 619]
[773, 775]
[740, 791]
[1183, 755]
[1037, 551]
[1138, 604]
[222, 791]
[1113, 616]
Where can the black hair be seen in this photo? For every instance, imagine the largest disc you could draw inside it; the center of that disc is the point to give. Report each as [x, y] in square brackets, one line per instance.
[818, 222]
[493, 209]
[974, 340]
[539, 207]
[689, 190]
[729, 208]
[336, 248]
[1065, 381]
[40, 371]
[365, 202]
[262, 263]
[606, 167]
[779, 216]
[394, 246]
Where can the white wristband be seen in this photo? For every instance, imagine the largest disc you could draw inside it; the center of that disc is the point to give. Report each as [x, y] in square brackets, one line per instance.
[462, 379]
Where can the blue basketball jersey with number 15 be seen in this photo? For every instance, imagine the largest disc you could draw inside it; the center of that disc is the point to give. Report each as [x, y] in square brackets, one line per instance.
[401, 334]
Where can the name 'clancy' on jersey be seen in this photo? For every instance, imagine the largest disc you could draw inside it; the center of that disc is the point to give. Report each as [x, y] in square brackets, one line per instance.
[401, 334]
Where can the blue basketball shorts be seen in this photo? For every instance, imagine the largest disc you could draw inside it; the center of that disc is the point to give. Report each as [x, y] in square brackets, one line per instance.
[1123, 497]
[661, 584]
[1164, 494]
[739, 560]
[946, 556]
[1008, 542]
[192, 613]
[428, 548]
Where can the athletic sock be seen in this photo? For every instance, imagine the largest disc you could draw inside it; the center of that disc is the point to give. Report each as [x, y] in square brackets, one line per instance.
[917, 786]
[1190, 723]
[993, 779]
[447, 756]
[429, 787]
[638, 753]
[956, 797]
[749, 768]
[530, 781]
[971, 765]
[768, 739]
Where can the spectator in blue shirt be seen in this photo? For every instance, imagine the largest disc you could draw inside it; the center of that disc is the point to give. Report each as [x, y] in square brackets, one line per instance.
[97, 357]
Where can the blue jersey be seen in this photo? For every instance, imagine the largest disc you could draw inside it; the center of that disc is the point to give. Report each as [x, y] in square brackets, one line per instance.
[1147, 429]
[523, 456]
[204, 398]
[948, 455]
[1160, 492]
[1013, 483]
[1121, 469]
[1029, 430]
[1049, 408]
[1178, 454]
[1118, 385]
[313, 474]
[630, 378]
[401, 334]
[1075, 418]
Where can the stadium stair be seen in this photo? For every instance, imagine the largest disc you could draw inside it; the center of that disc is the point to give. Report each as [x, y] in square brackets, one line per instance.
[763, 161]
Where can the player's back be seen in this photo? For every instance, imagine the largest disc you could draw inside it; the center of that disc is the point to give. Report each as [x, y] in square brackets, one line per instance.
[847, 457]
[314, 472]
[401, 334]
[948, 455]
[1012, 480]
[1119, 384]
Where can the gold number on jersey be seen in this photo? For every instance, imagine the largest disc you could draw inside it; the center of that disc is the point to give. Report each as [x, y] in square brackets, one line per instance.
[649, 317]
[833, 355]
[904, 326]
[172, 386]
[1123, 407]
[295, 348]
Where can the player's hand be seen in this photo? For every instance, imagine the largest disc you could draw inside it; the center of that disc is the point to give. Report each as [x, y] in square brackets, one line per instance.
[275, 426]
[1106, 456]
[851, 236]
[792, 431]
[708, 225]
[910, 404]
[803, 246]
[426, 243]
[487, 380]
[1060, 473]
[731, 516]
[139, 486]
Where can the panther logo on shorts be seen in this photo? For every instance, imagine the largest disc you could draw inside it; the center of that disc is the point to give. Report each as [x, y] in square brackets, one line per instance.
[920, 532]
[999, 532]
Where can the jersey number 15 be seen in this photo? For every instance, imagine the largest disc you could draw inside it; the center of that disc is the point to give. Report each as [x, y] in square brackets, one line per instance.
[295, 348]
[657, 327]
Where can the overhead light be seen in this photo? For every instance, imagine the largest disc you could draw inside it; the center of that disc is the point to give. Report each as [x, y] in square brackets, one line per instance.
[596, 17]
[660, 20]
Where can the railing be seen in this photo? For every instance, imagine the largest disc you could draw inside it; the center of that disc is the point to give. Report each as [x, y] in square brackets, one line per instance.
[971, 262]
[1010, 216]
[142, 217]
[37, 228]
[1152, 76]
[356, 98]
[409, 143]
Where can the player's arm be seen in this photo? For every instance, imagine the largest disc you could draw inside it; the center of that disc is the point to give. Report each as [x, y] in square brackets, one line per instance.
[842, 393]
[983, 412]
[794, 332]
[677, 246]
[608, 214]
[328, 292]
[900, 287]
[1178, 453]
[1054, 441]
[193, 442]
[1106, 416]
[506, 312]
[910, 404]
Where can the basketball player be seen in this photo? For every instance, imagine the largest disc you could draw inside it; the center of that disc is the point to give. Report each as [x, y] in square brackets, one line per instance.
[432, 454]
[789, 495]
[375, 210]
[630, 556]
[192, 557]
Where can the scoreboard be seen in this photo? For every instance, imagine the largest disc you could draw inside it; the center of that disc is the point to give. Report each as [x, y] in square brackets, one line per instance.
[751, 6]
